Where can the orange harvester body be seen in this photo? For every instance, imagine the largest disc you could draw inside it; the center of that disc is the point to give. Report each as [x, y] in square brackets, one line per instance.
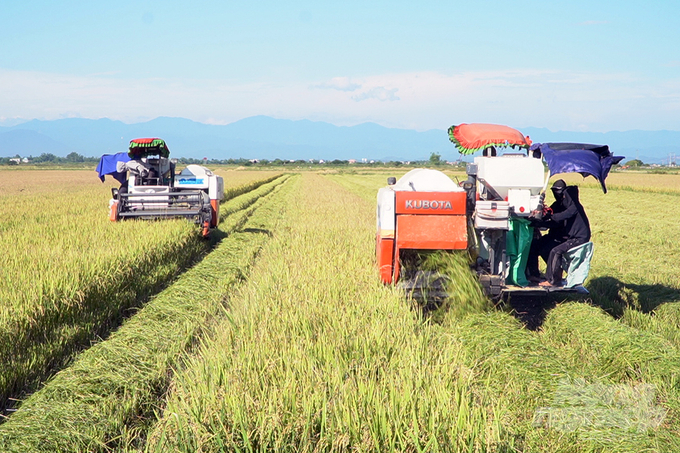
[487, 215]
[428, 220]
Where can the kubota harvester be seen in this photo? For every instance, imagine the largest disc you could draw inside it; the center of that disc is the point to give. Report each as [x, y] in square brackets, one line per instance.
[487, 214]
[152, 189]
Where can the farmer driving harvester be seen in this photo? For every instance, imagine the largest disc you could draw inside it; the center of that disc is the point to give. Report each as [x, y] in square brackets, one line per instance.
[568, 228]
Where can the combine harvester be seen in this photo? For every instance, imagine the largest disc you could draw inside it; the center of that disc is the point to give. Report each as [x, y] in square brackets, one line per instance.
[486, 215]
[151, 188]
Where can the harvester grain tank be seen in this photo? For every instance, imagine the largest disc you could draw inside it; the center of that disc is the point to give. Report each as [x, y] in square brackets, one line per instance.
[485, 215]
[151, 188]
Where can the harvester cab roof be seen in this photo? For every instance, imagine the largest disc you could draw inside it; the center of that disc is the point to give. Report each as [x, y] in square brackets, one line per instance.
[152, 189]
[486, 215]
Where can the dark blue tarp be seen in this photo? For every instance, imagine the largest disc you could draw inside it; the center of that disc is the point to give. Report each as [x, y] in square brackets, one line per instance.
[107, 166]
[588, 160]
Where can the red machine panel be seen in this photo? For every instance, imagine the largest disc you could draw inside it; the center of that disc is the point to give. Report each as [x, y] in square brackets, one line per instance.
[431, 203]
[384, 250]
[432, 232]
[215, 209]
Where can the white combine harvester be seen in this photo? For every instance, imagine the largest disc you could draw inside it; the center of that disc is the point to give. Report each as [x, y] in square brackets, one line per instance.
[151, 188]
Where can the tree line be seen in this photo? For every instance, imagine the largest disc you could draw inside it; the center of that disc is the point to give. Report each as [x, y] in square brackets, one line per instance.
[48, 158]
[75, 158]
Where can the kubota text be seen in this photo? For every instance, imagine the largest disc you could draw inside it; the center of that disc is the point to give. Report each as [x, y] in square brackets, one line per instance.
[428, 204]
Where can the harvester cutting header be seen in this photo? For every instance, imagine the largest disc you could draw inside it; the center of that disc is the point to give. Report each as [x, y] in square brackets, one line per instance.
[152, 189]
[487, 214]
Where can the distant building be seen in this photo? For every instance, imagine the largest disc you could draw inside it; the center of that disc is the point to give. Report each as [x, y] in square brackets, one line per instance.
[16, 160]
[352, 161]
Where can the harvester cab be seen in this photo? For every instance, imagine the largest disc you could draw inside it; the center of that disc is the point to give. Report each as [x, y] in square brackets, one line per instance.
[485, 215]
[152, 189]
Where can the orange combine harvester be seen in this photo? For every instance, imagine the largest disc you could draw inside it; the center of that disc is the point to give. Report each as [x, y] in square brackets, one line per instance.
[485, 215]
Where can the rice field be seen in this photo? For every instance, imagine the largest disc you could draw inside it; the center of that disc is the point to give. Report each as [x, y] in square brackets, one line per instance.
[279, 337]
[68, 274]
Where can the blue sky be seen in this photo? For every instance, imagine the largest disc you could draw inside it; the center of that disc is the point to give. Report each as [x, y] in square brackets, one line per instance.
[563, 65]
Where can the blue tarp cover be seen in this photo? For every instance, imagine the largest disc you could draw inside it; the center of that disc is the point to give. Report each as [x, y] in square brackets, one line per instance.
[107, 166]
[588, 160]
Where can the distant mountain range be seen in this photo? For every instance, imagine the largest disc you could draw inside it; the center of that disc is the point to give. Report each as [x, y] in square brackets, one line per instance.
[262, 137]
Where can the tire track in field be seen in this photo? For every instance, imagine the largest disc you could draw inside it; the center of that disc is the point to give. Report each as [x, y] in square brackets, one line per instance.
[44, 344]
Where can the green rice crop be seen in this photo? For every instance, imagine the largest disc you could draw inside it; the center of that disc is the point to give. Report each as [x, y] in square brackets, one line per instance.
[234, 191]
[632, 181]
[102, 400]
[598, 348]
[240, 178]
[576, 384]
[663, 321]
[635, 261]
[256, 389]
[318, 355]
[68, 274]
[313, 353]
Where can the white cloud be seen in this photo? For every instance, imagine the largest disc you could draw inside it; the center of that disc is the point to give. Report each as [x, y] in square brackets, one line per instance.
[340, 84]
[362, 91]
[556, 100]
[379, 93]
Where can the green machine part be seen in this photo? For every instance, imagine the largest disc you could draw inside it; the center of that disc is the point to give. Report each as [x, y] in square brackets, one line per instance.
[518, 244]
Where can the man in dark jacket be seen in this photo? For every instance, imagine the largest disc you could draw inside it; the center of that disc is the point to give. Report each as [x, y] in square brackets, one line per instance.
[568, 228]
